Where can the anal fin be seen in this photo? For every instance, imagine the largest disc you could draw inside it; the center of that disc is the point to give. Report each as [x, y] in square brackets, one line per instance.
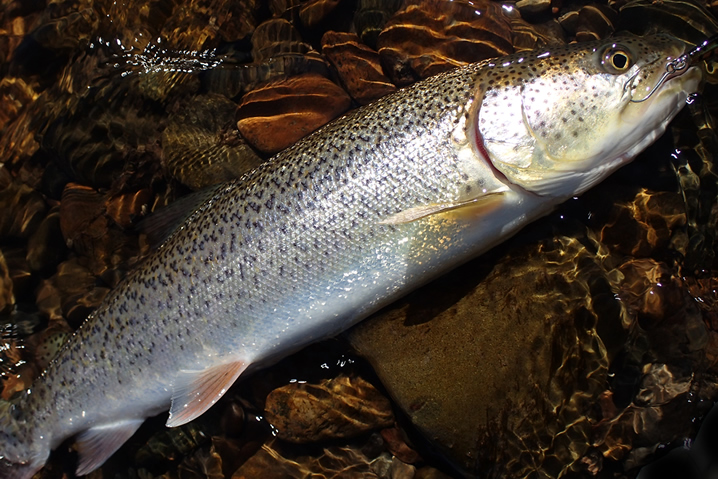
[97, 444]
[196, 391]
[486, 202]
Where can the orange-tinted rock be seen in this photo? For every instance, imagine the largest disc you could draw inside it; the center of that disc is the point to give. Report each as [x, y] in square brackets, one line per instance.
[126, 208]
[644, 225]
[275, 116]
[7, 299]
[427, 37]
[82, 219]
[314, 11]
[275, 461]
[276, 37]
[14, 95]
[357, 65]
[335, 408]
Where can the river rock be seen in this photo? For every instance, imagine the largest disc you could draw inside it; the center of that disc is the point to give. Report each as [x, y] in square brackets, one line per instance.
[485, 362]
[427, 37]
[201, 145]
[357, 65]
[277, 115]
[335, 408]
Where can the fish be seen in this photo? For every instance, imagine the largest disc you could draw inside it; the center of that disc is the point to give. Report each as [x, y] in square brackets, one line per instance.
[347, 220]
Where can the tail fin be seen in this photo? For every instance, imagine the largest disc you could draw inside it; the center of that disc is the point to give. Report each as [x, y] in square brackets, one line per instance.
[18, 458]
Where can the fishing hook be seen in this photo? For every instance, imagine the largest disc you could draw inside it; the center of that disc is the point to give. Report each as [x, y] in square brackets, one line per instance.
[679, 66]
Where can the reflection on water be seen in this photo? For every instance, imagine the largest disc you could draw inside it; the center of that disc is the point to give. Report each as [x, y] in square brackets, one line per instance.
[585, 347]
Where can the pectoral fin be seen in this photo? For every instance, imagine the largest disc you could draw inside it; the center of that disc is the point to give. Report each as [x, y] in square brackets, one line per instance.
[97, 444]
[196, 391]
[486, 202]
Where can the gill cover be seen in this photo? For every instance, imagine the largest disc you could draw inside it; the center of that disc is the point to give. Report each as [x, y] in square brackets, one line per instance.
[559, 122]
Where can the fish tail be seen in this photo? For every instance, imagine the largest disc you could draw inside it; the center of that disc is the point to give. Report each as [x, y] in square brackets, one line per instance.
[18, 459]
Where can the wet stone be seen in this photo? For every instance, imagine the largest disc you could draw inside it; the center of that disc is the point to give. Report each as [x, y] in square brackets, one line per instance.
[44, 251]
[23, 208]
[275, 460]
[595, 22]
[340, 407]
[649, 220]
[313, 12]
[452, 362]
[277, 115]
[202, 146]
[371, 17]
[7, 299]
[358, 67]
[427, 37]
[533, 7]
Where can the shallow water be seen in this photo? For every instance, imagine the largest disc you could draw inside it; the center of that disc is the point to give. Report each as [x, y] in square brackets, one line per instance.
[587, 346]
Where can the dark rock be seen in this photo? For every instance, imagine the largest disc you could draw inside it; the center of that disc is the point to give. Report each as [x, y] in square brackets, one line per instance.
[202, 146]
[358, 67]
[427, 37]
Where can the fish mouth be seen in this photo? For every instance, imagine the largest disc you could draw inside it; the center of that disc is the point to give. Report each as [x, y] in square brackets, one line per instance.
[677, 67]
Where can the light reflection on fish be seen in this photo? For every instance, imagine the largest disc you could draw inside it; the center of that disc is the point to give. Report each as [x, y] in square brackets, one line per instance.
[339, 225]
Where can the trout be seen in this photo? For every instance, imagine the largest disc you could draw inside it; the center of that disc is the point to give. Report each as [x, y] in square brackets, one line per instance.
[344, 222]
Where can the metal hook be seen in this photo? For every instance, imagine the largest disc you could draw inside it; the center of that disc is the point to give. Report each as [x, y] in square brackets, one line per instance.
[679, 66]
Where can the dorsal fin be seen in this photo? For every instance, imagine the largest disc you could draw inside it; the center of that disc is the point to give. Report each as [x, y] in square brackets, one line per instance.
[160, 225]
[196, 391]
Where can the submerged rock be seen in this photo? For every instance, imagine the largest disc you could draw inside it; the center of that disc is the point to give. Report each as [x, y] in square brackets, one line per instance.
[358, 67]
[427, 37]
[275, 116]
[340, 407]
[486, 362]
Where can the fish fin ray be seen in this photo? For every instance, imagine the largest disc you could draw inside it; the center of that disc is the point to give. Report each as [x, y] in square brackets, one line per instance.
[162, 224]
[97, 444]
[196, 391]
[487, 201]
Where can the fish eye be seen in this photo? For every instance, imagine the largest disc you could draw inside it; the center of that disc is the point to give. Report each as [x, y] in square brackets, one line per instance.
[617, 60]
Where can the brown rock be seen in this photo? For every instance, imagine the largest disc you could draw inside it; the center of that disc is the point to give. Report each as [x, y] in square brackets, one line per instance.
[427, 37]
[533, 7]
[201, 145]
[7, 298]
[485, 361]
[595, 22]
[23, 208]
[335, 408]
[645, 225]
[44, 250]
[277, 115]
[277, 462]
[314, 11]
[357, 65]
[276, 37]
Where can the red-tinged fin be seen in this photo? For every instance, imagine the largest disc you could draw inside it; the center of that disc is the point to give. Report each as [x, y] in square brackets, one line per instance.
[196, 391]
[97, 444]
[484, 203]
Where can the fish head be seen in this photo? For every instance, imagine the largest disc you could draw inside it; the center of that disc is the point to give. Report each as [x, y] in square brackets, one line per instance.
[558, 121]
[21, 455]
